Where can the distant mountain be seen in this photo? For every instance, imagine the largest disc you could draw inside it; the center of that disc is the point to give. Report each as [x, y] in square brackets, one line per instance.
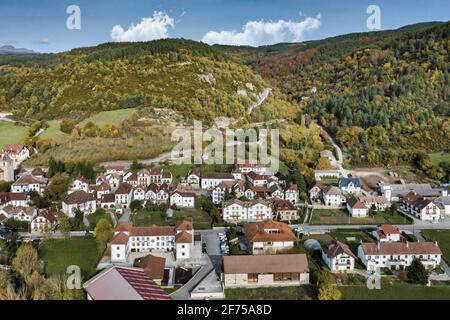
[8, 49]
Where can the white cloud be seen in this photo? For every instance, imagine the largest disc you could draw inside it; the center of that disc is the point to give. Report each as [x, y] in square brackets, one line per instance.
[257, 33]
[44, 41]
[150, 28]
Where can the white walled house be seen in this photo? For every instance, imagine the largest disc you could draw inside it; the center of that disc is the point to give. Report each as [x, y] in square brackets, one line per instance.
[17, 152]
[236, 211]
[193, 178]
[124, 196]
[291, 193]
[332, 196]
[256, 179]
[14, 199]
[45, 221]
[28, 183]
[356, 208]
[127, 239]
[269, 236]
[218, 193]
[387, 233]
[19, 213]
[158, 194]
[350, 185]
[83, 201]
[210, 180]
[399, 255]
[139, 193]
[444, 205]
[248, 167]
[280, 270]
[79, 183]
[338, 257]
[182, 199]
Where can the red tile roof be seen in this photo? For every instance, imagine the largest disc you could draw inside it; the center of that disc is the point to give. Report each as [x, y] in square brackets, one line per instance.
[268, 231]
[408, 248]
[120, 283]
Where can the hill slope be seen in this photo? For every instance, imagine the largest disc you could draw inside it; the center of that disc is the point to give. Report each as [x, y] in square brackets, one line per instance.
[190, 77]
[384, 96]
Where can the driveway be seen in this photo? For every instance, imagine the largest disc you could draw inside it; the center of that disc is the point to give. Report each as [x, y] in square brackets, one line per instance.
[211, 238]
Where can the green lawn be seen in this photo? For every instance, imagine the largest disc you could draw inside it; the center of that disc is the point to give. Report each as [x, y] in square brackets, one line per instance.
[181, 171]
[341, 216]
[53, 132]
[10, 133]
[398, 291]
[280, 293]
[359, 235]
[115, 117]
[200, 218]
[439, 157]
[96, 216]
[59, 254]
[443, 239]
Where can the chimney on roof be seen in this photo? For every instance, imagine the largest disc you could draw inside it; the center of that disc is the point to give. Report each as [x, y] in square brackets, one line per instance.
[407, 244]
[436, 243]
[378, 245]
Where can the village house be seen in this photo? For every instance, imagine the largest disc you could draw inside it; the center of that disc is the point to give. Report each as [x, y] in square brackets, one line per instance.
[124, 196]
[423, 208]
[139, 193]
[268, 237]
[131, 179]
[210, 180]
[158, 194]
[331, 173]
[108, 201]
[378, 202]
[338, 257]
[45, 221]
[17, 152]
[182, 199]
[399, 255]
[248, 167]
[328, 155]
[219, 192]
[284, 210]
[18, 213]
[356, 208]
[153, 266]
[193, 179]
[387, 233]
[79, 200]
[315, 191]
[265, 271]
[99, 190]
[350, 185]
[13, 199]
[291, 193]
[6, 168]
[332, 196]
[396, 192]
[276, 191]
[123, 283]
[152, 175]
[120, 170]
[444, 205]
[28, 183]
[127, 239]
[236, 211]
[80, 183]
[256, 179]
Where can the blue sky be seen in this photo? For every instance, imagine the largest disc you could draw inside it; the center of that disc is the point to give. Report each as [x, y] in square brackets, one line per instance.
[41, 25]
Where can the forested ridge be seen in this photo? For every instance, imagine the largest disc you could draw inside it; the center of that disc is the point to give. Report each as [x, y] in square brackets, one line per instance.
[384, 96]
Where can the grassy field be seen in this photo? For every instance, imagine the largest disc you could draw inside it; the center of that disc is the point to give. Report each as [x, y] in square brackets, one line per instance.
[341, 216]
[443, 239]
[59, 254]
[398, 291]
[437, 158]
[53, 132]
[181, 171]
[200, 218]
[359, 235]
[281, 293]
[10, 133]
[115, 117]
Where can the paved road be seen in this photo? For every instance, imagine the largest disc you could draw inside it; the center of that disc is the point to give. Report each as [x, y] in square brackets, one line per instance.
[340, 157]
[126, 216]
[262, 97]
